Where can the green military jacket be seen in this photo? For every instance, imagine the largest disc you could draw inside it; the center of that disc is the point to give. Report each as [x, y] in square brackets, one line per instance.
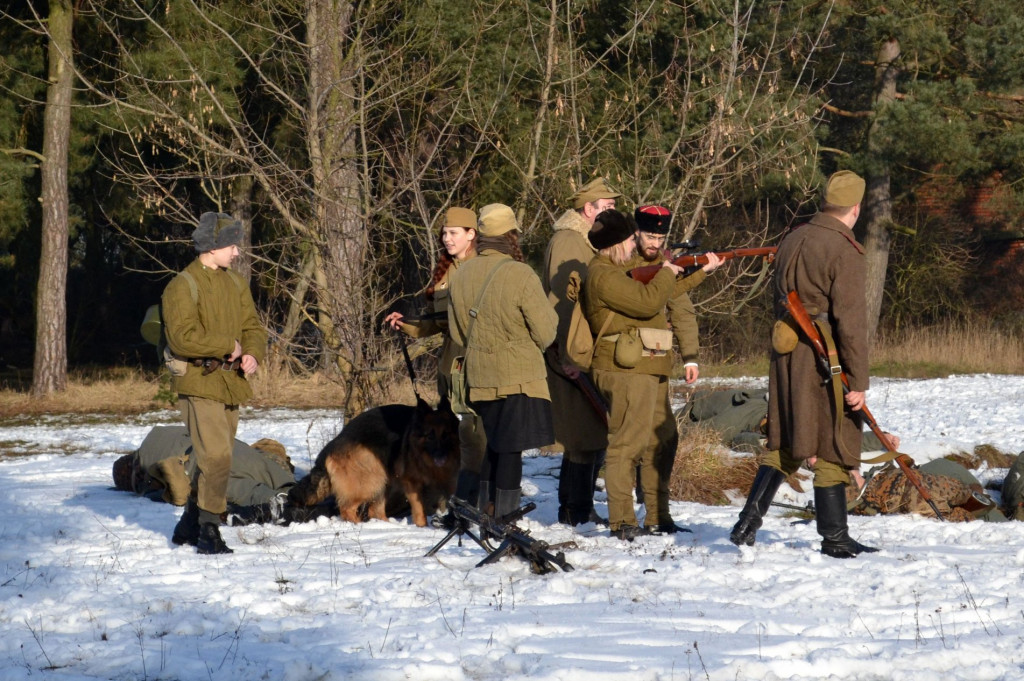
[430, 327]
[208, 327]
[514, 325]
[635, 305]
[682, 315]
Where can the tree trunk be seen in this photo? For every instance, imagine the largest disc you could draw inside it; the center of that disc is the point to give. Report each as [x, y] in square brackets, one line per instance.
[50, 368]
[334, 122]
[876, 218]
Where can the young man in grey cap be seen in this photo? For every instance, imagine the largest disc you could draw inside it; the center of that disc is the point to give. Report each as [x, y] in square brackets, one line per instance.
[211, 323]
[579, 431]
[822, 261]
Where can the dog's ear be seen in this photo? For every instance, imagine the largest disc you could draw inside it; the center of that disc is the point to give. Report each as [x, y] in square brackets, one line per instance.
[422, 406]
[444, 405]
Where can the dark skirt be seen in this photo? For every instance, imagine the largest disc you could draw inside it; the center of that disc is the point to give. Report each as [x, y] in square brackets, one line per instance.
[516, 423]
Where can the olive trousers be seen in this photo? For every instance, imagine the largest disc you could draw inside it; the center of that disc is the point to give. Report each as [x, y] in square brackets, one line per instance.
[641, 431]
[211, 427]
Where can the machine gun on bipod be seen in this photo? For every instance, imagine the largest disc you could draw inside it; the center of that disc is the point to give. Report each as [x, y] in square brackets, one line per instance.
[512, 539]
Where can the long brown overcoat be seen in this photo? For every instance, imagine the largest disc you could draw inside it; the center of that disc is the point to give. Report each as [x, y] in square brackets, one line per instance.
[824, 264]
[578, 428]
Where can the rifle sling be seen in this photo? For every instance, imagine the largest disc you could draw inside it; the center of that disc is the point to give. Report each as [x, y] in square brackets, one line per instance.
[835, 377]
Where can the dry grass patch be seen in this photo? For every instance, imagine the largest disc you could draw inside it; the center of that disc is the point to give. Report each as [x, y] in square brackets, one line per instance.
[705, 469]
[938, 351]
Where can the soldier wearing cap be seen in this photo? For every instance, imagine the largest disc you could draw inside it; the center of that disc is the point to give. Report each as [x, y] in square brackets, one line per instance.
[823, 262]
[579, 431]
[459, 238]
[511, 326]
[631, 367]
[652, 226]
[211, 323]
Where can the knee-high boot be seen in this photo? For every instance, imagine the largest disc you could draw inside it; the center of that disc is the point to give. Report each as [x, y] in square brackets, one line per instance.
[830, 511]
[576, 493]
[766, 484]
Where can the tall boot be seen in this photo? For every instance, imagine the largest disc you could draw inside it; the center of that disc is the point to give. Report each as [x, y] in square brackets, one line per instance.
[467, 487]
[187, 529]
[506, 502]
[576, 493]
[830, 511]
[766, 484]
[484, 502]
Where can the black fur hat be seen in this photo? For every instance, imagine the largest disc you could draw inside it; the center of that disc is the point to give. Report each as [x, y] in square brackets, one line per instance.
[610, 227]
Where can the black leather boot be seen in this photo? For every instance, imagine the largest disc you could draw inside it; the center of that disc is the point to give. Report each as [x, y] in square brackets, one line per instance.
[187, 529]
[210, 541]
[467, 487]
[830, 511]
[576, 493]
[766, 484]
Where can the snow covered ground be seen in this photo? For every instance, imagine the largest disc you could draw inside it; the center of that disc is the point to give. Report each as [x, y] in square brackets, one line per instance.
[92, 588]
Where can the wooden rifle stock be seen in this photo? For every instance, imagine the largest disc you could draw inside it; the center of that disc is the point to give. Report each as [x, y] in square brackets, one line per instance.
[645, 273]
[593, 395]
[830, 365]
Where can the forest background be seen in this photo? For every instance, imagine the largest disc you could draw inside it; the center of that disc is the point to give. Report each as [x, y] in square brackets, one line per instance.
[340, 131]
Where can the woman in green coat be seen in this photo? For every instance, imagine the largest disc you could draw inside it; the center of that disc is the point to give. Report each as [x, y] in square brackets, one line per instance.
[459, 238]
[498, 304]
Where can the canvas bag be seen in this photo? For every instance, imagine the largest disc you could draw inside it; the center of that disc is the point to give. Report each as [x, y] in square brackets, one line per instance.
[580, 344]
[458, 387]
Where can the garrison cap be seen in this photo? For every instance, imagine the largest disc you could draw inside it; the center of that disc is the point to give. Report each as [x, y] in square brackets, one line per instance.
[844, 189]
[592, 191]
[460, 217]
[610, 227]
[653, 219]
[216, 230]
[496, 219]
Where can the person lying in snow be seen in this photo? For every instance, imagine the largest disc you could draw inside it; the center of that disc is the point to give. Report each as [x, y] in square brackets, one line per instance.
[160, 469]
[739, 417]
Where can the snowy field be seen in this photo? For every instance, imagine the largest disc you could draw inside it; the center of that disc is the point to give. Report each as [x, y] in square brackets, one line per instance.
[92, 588]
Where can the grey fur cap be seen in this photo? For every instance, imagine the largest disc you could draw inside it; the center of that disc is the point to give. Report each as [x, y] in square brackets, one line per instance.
[216, 230]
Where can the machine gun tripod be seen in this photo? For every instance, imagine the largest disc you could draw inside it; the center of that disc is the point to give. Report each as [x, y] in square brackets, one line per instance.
[513, 540]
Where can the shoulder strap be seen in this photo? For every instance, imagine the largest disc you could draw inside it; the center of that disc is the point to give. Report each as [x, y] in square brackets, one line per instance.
[192, 289]
[479, 299]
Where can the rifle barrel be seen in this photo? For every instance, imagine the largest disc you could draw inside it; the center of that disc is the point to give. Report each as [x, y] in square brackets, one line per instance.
[797, 310]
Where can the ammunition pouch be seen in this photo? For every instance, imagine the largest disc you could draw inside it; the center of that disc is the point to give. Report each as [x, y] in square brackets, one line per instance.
[655, 342]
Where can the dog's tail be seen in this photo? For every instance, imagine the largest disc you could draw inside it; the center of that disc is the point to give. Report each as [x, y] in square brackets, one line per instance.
[312, 489]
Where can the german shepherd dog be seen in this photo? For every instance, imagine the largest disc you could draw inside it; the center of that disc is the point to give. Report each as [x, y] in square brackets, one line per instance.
[382, 458]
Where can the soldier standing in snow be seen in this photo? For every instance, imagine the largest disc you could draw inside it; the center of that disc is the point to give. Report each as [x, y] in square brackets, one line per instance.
[823, 262]
[214, 332]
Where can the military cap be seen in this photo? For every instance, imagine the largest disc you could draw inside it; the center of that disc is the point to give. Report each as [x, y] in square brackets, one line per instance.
[496, 219]
[653, 219]
[844, 189]
[592, 191]
[610, 227]
[216, 230]
[460, 217]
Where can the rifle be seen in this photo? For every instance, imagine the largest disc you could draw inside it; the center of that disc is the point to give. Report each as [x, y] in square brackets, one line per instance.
[593, 395]
[808, 508]
[799, 314]
[514, 540]
[645, 273]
